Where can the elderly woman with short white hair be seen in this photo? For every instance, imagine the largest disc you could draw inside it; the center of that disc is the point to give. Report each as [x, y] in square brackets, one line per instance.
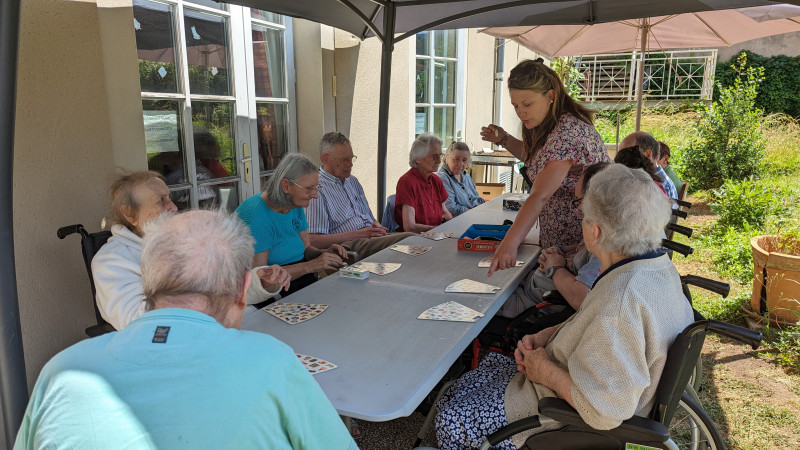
[462, 195]
[607, 359]
[420, 196]
[278, 224]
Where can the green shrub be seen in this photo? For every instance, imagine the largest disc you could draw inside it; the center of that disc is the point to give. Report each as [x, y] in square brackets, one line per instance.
[747, 204]
[728, 143]
[731, 254]
[713, 306]
[570, 76]
[780, 90]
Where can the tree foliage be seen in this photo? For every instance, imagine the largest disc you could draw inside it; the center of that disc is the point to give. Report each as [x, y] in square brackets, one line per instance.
[779, 91]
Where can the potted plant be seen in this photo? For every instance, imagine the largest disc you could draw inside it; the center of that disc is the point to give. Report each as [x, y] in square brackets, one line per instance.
[776, 280]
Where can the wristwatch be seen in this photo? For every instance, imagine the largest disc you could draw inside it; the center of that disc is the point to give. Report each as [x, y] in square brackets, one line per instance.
[552, 271]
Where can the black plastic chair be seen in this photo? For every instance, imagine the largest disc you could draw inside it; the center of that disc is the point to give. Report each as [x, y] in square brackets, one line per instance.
[90, 244]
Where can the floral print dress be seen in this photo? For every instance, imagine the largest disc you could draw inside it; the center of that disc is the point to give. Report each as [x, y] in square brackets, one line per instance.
[561, 216]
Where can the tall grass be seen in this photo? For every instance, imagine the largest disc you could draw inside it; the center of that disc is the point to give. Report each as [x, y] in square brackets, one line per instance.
[782, 136]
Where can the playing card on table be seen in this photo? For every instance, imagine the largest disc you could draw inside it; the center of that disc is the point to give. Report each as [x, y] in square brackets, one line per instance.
[377, 268]
[486, 262]
[314, 364]
[413, 250]
[435, 235]
[294, 313]
[452, 311]
[471, 286]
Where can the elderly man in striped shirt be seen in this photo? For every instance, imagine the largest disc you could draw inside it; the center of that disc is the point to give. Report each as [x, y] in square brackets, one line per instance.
[341, 215]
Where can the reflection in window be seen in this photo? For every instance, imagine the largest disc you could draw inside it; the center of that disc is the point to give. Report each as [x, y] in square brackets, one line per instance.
[266, 16]
[272, 142]
[436, 87]
[268, 62]
[444, 42]
[214, 147]
[207, 53]
[155, 44]
[162, 135]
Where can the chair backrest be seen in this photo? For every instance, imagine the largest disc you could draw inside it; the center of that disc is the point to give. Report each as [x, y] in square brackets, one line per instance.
[388, 215]
[681, 361]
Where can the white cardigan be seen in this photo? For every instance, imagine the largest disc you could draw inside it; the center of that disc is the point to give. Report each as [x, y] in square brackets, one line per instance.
[118, 277]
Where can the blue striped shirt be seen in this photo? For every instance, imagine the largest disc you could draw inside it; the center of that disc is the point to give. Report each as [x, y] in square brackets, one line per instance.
[341, 206]
[669, 186]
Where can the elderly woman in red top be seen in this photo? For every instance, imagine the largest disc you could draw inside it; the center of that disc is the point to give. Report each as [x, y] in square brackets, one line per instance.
[419, 202]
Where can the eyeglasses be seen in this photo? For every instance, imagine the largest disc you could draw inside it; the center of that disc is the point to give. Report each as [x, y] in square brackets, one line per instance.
[309, 189]
[350, 159]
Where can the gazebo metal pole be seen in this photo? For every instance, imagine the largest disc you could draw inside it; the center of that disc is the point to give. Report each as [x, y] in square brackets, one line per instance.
[383, 102]
[13, 381]
[640, 73]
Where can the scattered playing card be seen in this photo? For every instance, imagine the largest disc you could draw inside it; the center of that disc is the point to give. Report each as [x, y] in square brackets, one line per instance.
[452, 311]
[314, 364]
[435, 235]
[471, 286]
[377, 268]
[294, 313]
[413, 250]
[486, 262]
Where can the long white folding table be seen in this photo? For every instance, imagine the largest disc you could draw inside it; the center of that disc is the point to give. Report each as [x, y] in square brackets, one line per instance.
[388, 360]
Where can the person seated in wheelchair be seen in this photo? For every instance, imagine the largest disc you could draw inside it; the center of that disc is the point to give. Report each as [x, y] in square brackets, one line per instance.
[568, 272]
[136, 198]
[606, 360]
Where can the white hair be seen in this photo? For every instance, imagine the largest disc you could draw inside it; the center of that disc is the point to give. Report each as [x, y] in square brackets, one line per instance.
[292, 167]
[330, 140]
[457, 147]
[629, 209]
[421, 147]
[198, 252]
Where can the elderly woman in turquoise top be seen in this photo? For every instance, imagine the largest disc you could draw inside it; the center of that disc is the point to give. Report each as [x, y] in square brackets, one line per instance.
[278, 223]
[462, 195]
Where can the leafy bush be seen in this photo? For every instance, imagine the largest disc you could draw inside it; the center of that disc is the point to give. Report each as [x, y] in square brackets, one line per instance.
[747, 204]
[569, 74]
[780, 90]
[732, 256]
[728, 143]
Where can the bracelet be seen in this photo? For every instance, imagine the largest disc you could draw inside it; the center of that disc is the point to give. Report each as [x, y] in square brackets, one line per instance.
[560, 247]
[502, 142]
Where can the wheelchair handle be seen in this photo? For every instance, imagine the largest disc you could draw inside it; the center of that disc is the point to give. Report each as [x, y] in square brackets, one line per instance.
[69, 229]
[741, 334]
[679, 213]
[683, 203]
[686, 231]
[510, 430]
[684, 250]
[714, 286]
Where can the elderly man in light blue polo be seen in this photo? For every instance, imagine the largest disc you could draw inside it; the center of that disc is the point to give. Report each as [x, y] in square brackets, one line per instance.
[341, 214]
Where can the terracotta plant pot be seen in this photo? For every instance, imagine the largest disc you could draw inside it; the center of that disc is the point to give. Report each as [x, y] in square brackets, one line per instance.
[776, 278]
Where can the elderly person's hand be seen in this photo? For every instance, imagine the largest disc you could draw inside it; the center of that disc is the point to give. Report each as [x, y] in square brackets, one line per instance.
[553, 257]
[338, 250]
[533, 363]
[533, 341]
[326, 261]
[274, 276]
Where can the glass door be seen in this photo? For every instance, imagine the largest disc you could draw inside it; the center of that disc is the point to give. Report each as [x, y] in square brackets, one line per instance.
[199, 71]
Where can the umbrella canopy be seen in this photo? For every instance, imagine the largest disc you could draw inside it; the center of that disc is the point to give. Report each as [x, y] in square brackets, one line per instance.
[688, 30]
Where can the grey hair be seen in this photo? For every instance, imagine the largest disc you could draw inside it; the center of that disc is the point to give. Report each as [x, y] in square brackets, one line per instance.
[330, 140]
[197, 252]
[647, 142]
[629, 209]
[421, 147]
[456, 146]
[292, 167]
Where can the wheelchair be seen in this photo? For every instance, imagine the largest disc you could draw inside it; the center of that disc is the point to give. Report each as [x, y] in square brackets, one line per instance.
[90, 245]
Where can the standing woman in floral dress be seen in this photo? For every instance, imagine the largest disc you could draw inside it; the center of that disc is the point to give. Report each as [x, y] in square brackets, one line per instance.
[558, 141]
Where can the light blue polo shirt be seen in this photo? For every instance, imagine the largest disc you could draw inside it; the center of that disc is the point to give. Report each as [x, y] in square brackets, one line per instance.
[176, 378]
[273, 231]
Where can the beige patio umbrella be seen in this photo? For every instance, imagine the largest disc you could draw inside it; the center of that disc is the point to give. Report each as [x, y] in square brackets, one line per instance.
[688, 30]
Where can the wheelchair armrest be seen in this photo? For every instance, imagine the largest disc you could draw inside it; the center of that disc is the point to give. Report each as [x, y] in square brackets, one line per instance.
[679, 213]
[69, 229]
[684, 250]
[686, 231]
[715, 286]
[635, 429]
[682, 203]
[509, 430]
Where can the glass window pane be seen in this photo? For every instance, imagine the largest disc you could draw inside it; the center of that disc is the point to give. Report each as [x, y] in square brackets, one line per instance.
[268, 62]
[207, 53]
[443, 123]
[228, 194]
[155, 44]
[444, 43]
[423, 43]
[266, 15]
[272, 140]
[214, 146]
[163, 139]
[182, 199]
[421, 120]
[422, 80]
[209, 4]
[444, 87]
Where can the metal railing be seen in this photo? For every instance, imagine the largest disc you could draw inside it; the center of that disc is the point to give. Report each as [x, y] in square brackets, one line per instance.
[668, 75]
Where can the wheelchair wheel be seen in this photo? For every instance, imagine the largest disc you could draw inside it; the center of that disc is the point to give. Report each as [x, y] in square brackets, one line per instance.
[691, 428]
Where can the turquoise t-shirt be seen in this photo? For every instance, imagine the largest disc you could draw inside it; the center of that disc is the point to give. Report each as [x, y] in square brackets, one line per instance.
[176, 378]
[276, 232]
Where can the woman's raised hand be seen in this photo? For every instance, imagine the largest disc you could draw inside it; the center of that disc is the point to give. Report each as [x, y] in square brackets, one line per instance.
[492, 133]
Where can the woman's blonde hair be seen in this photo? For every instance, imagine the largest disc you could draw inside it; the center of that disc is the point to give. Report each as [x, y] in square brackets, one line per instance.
[534, 75]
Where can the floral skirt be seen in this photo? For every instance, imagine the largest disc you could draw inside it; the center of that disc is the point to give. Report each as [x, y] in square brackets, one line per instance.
[474, 408]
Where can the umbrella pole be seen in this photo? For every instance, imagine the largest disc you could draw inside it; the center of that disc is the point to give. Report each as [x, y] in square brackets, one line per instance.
[383, 103]
[640, 75]
[13, 381]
